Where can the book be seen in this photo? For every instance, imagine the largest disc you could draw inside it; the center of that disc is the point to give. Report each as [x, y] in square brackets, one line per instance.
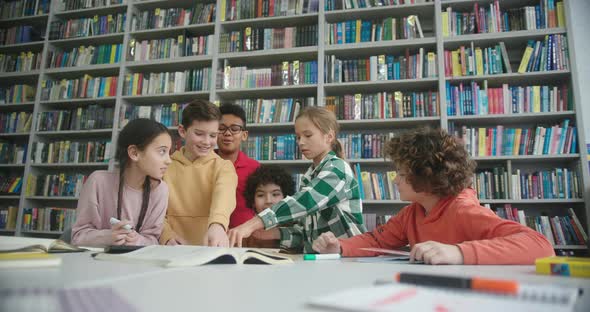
[35, 245]
[563, 266]
[182, 256]
[28, 260]
[387, 251]
[404, 297]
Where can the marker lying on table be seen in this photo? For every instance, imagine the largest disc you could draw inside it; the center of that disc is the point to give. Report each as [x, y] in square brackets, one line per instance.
[321, 256]
[114, 221]
[475, 283]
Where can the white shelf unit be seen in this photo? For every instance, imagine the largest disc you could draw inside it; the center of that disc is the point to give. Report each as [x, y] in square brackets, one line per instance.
[433, 41]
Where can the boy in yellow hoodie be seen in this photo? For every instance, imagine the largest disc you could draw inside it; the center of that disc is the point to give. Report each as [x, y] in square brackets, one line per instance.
[201, 184]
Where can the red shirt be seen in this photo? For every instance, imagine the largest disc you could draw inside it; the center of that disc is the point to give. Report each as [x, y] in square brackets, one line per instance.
[482, 236]
[244, 167]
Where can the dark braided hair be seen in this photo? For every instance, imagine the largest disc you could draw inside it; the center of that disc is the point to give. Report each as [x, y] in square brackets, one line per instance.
[139, 132]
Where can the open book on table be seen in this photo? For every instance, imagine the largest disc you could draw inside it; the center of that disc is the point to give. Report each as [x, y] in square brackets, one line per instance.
[181, 256]
[404, 297]
[30, 244]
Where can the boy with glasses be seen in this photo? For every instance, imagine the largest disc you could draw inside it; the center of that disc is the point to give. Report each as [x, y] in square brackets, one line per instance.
[232, 132]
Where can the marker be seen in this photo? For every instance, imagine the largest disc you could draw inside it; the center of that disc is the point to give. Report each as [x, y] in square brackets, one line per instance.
[114, 221]
[321, 256]
[506, 287]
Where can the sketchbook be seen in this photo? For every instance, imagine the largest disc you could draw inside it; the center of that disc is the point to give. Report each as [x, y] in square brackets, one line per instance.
[182, 256]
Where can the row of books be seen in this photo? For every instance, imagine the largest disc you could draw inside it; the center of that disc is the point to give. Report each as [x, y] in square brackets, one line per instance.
[84, 87]
[376, 185]
[559, 230]
[384, 105]
[48, 219]
[261, 111]
[333, 5]
[167, 82]
[10, 185]
[20, 34]
[70, 5]
[475, 61]
[503, 141]
[81, 56]
[8, 217]
[12, 153]
[380, 29]
[491, 183]
[15, 94]
[61, 152]
[81, 118]
[549, 54]
[363, 145]
[272, 147]
[232, 10]
[181, 46]
[158, 18]
[252, 39]
[88, 26]
[284, 74]
[381, 67]
[22, 8]
[23, 62]
[476, 99]
[60, 184]
[169, 115]
[482, 19]
[546, 184]
[373, 220]
[15, 122]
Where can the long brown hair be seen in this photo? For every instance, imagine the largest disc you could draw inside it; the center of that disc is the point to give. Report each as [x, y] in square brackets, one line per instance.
[325, 120]
[139, 132]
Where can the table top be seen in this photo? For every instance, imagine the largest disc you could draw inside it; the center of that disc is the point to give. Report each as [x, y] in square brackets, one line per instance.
[247, 287]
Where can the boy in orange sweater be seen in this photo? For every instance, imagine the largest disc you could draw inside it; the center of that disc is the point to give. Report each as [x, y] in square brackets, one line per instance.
[445, 224]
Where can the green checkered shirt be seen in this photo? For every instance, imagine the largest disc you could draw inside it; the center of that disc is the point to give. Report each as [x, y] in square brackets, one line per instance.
[329, 200]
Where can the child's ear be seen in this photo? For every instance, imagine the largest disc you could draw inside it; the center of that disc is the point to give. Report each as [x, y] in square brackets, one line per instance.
[245, 135]
[181, 131]
[331, 135]
[133, 152]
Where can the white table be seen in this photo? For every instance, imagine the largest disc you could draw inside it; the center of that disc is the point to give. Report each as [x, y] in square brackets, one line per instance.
[246, 287]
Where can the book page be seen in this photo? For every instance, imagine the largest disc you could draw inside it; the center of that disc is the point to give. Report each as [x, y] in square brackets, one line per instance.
[387, 251]
[173, 256]
[400, 297]
[12, 243]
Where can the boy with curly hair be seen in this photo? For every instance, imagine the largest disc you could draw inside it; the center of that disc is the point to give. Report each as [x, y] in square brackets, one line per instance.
[445, 223]
[266, 186]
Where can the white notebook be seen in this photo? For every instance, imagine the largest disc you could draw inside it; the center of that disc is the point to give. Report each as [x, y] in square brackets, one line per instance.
[404, 297]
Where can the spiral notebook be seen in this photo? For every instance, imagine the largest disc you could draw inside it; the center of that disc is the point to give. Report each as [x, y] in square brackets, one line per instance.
[404, 297]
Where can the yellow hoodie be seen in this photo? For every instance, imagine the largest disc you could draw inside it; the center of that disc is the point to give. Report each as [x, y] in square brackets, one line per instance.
[202, 192]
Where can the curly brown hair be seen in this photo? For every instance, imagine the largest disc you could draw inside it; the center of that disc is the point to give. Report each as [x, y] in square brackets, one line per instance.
[436, 162]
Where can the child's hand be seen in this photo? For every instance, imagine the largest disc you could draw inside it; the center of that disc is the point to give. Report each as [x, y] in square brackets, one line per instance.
[326, 243]
[176, 241]
[216, 236]
[272, 234]
[118, 233]
[132, 238]
[243, 231]
[436, 253]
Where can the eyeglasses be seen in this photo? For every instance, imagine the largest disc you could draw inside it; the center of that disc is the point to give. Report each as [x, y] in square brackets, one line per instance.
[233, 129]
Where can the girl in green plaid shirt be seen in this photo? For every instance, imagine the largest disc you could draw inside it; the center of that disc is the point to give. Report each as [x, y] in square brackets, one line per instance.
[329, 198]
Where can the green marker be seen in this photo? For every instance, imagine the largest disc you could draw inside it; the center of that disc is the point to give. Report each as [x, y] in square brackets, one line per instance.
[321, 256]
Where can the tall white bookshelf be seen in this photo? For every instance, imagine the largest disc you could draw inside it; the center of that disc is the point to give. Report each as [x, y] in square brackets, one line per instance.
[433, 41]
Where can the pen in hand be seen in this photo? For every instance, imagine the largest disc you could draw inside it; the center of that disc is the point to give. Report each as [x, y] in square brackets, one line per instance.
[114, 221]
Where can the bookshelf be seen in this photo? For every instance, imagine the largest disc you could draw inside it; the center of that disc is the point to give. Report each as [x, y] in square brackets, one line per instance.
[316, 58]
